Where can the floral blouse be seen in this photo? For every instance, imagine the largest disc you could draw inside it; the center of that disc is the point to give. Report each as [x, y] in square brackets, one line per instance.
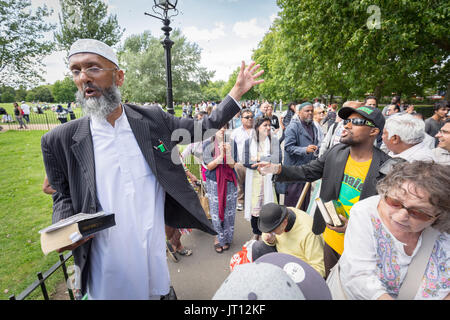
[374, 261]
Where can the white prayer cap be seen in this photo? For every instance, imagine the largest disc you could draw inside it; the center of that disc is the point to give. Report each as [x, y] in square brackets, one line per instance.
[94, 46]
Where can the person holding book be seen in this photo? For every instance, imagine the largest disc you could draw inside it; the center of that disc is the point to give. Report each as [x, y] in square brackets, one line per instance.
[288, 230]
[349, 172]
[397, 242]
[118, 159]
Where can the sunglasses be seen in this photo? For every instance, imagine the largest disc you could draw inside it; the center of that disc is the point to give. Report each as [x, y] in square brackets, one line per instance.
[416, 214]
[248, 117]
[359, 122]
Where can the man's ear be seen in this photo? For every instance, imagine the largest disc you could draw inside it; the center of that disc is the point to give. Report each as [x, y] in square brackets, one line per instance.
[395, 139]
[374, 132]
[120, 77]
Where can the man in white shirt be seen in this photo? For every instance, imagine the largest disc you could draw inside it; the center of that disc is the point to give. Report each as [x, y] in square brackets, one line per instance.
[239, 135]
[404, 136]
[26, 111]
[121, 159]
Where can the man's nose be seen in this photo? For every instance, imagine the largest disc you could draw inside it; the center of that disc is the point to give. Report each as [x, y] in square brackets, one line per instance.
[83, 77]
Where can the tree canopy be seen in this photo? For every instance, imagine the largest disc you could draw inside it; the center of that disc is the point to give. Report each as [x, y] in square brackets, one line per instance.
[142, 57]
[351, 48]
[81, 19]
[22, 42]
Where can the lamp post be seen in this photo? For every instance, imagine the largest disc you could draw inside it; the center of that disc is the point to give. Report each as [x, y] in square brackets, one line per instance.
[166, 6]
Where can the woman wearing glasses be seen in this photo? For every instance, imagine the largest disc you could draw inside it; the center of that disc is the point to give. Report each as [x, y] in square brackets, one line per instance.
[397, 242]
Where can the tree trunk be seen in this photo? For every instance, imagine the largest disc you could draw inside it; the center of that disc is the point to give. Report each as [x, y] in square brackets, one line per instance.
[377, 93]
[447, 94]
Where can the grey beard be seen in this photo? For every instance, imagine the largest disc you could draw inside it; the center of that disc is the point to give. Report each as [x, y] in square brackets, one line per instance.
[100, 107]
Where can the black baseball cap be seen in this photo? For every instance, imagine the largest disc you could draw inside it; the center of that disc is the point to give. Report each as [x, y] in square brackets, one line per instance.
[369, 113]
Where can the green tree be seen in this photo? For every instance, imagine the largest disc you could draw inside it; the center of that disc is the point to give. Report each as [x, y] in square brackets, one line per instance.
[143, 59]
[351, 48]
[7, 94]
[270, 54]
[22, 42]
[82, 19]
[64, 90]
[43, 93]
[212, 91]
[21, 94]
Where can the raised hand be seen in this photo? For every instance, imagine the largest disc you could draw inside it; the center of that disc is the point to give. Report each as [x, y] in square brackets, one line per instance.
[246, 79]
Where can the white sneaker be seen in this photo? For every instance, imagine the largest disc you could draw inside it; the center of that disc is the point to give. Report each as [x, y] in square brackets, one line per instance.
[240, 207]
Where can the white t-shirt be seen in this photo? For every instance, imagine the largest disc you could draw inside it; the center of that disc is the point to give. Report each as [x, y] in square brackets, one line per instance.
[239, 135]
[25, 108]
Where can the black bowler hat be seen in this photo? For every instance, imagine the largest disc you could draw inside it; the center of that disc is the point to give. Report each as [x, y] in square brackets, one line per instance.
[271, 216]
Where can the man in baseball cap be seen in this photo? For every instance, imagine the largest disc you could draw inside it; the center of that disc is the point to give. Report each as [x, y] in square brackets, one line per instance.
[349, 172]
[372, 114]
[288, 230]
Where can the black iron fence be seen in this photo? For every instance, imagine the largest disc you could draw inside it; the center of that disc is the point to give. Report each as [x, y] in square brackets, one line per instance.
[46, 120]
[42, 277]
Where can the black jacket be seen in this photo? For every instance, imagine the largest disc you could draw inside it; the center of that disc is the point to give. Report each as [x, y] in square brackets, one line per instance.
[330, 168]
[68, 155]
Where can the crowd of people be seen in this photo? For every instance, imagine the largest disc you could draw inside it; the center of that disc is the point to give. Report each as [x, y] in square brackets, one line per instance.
[387, 174]
[351, 150]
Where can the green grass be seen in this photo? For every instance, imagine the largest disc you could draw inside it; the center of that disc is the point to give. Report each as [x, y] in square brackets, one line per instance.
[24, 210]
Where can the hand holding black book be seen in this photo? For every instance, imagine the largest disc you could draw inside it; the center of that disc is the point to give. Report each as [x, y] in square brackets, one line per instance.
[72, 230]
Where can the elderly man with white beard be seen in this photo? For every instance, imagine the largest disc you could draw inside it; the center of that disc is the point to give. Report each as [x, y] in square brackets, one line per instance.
[118, 158]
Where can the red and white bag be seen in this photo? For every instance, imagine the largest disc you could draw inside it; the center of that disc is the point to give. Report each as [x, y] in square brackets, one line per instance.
[243, 256]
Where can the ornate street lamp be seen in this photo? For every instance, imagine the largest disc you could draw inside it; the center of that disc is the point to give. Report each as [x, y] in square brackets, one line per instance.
[166, 6]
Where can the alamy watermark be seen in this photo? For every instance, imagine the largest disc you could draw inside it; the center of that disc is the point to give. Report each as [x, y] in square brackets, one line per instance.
[374, 21]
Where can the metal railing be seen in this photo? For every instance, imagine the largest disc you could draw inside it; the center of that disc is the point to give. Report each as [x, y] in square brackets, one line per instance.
[41, 278]
[46, 120]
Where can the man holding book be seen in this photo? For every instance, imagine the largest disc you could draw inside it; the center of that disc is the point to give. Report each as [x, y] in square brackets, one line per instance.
[349, 171]
[121, 159]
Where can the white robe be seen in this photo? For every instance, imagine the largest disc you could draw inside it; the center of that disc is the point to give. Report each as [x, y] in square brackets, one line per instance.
[127, 261]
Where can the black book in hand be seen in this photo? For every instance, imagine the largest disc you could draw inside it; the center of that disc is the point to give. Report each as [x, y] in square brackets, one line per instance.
[329, 214]
[68, 231]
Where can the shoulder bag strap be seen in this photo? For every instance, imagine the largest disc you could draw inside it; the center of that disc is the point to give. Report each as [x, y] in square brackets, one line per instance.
[417, 266]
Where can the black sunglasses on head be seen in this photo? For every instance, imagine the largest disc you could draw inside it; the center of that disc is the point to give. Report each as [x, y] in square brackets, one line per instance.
[359, 122]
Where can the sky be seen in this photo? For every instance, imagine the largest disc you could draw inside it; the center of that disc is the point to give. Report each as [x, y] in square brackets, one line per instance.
[226, 30]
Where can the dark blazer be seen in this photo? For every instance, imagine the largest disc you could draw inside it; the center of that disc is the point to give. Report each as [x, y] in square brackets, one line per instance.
[295, 142]
[330, 168]
[69, 162]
